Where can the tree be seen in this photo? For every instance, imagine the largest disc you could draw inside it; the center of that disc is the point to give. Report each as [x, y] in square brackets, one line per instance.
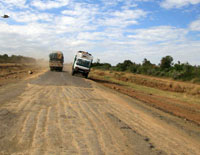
[124, 66]
[127, 63]
[166, 62]
[98, 61]
[146, 63]
[5, 55]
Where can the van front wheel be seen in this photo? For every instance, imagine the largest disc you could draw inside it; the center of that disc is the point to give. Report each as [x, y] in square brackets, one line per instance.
[73, 72]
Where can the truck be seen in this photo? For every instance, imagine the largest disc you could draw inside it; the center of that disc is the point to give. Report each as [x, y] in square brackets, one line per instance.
[56, 60]
[82, 63]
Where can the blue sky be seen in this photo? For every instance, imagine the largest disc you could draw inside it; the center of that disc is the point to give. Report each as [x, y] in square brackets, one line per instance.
[112, 30]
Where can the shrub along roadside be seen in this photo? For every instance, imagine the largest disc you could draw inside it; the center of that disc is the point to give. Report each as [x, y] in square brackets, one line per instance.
[166, 68]
[16, 59]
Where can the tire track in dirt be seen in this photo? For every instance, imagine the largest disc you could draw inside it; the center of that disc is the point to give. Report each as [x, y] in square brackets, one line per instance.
[88, 135]
[99, 110]
[84, 143]
[29, 105]
[72, 119]
[66, 126]
[142, 124]
[39, 141]
[97, 119]
[91, 132]
[20, 103]
[68, 147]
[76, 124]
[173, 145]
[28, 130]
[108, 140]
[143, 127]
[53, 134]
[32, 120]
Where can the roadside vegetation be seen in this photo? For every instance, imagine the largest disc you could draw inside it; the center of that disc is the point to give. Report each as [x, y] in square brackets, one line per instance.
[167, 68]
[178, 98]
[14, 68]
[16, 59]
[171, 87]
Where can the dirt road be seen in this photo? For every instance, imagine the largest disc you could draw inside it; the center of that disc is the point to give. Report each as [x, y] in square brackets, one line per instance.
[60, 114]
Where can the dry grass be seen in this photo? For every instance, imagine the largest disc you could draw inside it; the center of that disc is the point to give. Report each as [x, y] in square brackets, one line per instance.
[178, 98]
[153, 82]
[10, 72]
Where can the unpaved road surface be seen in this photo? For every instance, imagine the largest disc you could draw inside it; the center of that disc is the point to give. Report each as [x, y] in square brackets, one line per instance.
[56, 113]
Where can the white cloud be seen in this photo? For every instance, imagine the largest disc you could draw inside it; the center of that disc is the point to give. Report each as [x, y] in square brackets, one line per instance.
[99, 29]
[178, 3]
[112, 45]
[31, 29]
[195, 25]
[28, 16]
[123, 18]
[159, 34]
[136, 51]
[66, 20]
[48, 4]
[93, 36]
[79, 18]
[14, 3]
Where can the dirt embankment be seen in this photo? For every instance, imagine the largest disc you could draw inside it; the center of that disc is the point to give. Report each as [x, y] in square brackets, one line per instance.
[178, 98]
[153, 82]
[11, 72]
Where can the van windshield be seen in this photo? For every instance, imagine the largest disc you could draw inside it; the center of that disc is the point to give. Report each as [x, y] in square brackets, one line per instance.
[83, 63]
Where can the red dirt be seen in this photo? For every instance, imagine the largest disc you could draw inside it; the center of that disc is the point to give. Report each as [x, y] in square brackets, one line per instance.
[154, 82]
[184, 110]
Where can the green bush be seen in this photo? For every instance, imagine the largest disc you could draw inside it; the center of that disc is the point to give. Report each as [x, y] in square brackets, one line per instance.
[104, 66]
[16, 59]
[166, 68]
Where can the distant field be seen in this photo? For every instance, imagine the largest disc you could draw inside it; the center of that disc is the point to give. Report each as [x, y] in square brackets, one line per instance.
[11, 68]
[178, 98]
[9, 65]
[10, 72]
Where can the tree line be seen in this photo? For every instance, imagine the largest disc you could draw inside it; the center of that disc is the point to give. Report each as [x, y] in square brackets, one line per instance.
[16, 59]
[166, 68]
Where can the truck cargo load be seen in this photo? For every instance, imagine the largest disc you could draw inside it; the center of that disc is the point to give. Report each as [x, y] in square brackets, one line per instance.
[56, 60]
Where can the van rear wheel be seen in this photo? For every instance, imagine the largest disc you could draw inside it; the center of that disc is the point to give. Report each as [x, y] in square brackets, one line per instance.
[86, 75]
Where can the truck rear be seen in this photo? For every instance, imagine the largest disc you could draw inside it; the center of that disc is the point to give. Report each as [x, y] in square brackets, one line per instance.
[56, 60]
[82, 63]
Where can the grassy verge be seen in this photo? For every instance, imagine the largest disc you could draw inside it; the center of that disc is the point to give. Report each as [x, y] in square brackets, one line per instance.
[156, 92]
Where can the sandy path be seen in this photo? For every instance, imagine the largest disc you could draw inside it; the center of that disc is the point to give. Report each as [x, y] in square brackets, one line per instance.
[60, 114]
